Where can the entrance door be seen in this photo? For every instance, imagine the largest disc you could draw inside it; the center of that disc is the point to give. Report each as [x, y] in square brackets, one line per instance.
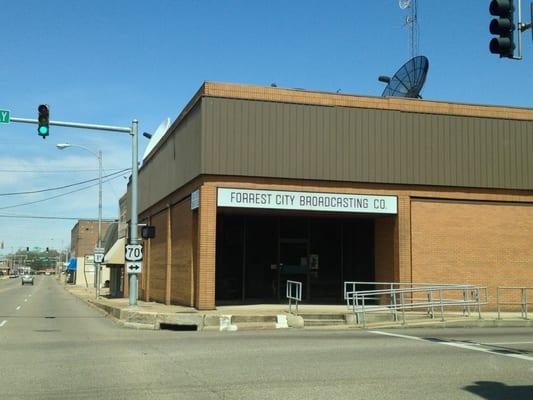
[293, 265]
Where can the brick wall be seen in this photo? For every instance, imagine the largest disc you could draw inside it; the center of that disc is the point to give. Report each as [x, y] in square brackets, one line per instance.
[158, 258]
[416, 245]
[181, 291]
[84, 236]
[473, 242]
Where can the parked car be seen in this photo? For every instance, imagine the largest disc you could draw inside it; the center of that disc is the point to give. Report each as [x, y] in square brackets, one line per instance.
[27, 278]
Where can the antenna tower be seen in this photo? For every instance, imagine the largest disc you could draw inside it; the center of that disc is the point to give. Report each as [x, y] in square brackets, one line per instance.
[411, 22]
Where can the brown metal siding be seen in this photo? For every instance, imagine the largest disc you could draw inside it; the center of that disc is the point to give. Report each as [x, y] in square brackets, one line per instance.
[282, 140]
[176, 162]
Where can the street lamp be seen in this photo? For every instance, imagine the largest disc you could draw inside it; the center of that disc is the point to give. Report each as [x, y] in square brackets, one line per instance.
[62, 146]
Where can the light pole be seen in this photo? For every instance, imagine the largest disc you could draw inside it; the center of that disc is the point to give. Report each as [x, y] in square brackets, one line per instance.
[98, 155]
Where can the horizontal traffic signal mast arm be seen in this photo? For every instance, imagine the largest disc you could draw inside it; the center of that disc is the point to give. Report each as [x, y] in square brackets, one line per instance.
[110, 128]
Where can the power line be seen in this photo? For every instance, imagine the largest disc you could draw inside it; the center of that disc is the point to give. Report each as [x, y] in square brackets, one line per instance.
[52, 217]
[62, 187]
[58, 171]
[61, 194]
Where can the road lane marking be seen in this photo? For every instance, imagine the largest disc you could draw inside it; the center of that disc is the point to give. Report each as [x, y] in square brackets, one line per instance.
[499, 343]
[25, 300]
[3, 323]
[474, 347]
[18, 307]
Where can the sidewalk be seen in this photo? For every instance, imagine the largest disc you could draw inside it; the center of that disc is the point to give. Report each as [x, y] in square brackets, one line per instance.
[151, 315]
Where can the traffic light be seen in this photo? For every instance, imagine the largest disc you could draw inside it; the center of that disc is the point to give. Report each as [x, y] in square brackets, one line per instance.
[44, 120]
[503, 26]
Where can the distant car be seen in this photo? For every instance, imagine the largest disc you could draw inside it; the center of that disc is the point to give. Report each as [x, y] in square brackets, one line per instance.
[13, 275]
[27, 278]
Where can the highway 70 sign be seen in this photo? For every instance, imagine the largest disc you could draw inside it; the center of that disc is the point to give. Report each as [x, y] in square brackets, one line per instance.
[134, 257]
[134, 252]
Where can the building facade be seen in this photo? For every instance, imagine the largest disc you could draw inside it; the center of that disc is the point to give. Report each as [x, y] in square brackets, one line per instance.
[252, 186]
[83, 240]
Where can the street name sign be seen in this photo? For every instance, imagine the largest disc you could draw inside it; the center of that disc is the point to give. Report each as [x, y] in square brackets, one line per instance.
[5, 117]
[134, 267]
[134, 252]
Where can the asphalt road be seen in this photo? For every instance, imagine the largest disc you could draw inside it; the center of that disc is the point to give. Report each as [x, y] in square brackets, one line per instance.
[54, 346]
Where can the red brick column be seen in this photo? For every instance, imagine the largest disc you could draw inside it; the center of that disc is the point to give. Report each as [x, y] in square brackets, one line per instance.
[207, 228]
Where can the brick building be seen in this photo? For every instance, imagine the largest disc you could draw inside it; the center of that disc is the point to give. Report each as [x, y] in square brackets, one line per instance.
[83, 240]
[252, 186]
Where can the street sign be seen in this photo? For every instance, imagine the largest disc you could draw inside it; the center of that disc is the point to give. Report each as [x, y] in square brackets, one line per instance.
[134, 267]
[98, 257]
[4, 117]
[134, 252]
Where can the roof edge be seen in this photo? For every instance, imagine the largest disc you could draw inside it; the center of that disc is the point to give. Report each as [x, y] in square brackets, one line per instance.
[301, 96]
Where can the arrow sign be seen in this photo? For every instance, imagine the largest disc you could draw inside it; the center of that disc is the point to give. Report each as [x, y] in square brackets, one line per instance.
[134, 267]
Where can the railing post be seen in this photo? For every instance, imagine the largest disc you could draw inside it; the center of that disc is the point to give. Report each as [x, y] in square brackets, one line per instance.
[403, 307]
[498, 301]
[363, 312]
[394, 306]
[525, 300]
[441, 306]
[431, 308]
[466, 307]
[522, 307]
[478, 295]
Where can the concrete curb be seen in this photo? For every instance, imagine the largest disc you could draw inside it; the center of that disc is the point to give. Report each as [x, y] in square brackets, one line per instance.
[139, 319]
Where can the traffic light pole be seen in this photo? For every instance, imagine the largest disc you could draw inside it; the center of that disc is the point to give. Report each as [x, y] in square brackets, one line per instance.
[134, 132]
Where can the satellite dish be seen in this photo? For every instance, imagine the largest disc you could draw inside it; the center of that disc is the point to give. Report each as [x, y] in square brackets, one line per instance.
[404, 4]
[156, 137]
[408, 80]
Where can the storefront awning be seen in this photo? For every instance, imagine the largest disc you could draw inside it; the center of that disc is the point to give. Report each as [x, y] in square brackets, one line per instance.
[72, 264]
[115, 255]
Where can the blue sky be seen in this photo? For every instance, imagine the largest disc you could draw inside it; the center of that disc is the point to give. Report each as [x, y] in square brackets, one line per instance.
[111, 61]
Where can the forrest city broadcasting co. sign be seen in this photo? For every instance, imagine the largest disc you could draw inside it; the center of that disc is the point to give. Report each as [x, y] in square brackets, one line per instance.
[306, 201]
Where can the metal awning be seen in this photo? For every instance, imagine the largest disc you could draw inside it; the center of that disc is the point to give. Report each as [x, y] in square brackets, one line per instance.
[72, 264]
[115, 255]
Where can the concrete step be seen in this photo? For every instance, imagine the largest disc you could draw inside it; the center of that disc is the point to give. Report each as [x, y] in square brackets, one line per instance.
[323, 322]
[323, 316]
[239, 319]
[255, 326]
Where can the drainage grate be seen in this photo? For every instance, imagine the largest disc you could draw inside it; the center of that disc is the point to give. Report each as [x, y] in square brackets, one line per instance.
[177, 327]
[49, 317]
[46, 330]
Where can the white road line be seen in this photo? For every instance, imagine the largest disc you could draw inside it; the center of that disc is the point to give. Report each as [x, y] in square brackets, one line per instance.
[18, 307]
[498, 343]
[25, 300]
[473, 347]
[3, 323]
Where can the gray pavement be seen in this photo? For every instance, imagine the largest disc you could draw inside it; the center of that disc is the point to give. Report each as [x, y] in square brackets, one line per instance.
[57, 347]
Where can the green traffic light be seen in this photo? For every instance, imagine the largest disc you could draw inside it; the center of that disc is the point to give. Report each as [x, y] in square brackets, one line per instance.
[43, 130]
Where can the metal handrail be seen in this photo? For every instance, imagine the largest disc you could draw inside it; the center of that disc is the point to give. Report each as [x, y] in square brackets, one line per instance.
[294, 292]
[523, 303]
[471, 296]
[392, 285]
